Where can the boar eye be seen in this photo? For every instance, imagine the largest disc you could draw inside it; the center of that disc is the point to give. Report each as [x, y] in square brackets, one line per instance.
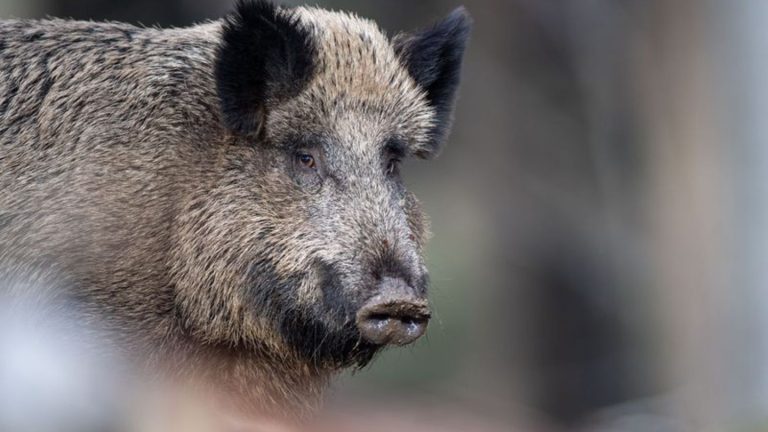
[307, 169]
[394, 152]
[306, 160]
[393, 165]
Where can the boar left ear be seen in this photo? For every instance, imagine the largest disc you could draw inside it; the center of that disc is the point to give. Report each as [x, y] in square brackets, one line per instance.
[265, 56]
[433, 58]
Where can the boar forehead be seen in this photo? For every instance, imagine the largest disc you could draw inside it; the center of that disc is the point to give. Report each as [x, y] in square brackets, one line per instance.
[360, 92]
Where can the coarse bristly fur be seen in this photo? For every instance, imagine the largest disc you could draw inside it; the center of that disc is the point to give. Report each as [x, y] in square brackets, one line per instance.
[222, 198]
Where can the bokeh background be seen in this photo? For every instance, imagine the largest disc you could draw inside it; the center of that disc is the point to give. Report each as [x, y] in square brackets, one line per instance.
[600, 218]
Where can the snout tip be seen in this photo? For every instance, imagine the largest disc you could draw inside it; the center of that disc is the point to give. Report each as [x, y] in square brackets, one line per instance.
[393, 322]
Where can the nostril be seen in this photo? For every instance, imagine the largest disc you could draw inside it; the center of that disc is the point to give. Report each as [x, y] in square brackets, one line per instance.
[378, 316]
[410, 321]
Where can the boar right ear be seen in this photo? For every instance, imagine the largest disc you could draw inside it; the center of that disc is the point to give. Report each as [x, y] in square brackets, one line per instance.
[265, 56]
[433, 58]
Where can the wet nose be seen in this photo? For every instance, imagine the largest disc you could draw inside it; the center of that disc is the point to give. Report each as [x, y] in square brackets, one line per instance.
[395, 316]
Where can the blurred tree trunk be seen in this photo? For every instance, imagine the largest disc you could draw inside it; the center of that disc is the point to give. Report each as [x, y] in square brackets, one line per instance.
[688, 207]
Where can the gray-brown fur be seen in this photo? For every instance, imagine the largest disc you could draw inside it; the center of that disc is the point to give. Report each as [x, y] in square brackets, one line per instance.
[124, 189]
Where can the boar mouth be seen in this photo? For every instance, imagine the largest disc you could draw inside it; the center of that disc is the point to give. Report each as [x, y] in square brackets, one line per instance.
[325, 333]
[321, 346]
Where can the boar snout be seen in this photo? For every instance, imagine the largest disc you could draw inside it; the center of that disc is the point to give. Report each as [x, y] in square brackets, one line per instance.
[396, 315]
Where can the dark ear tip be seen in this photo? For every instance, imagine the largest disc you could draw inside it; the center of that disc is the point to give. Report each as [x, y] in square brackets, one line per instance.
[461, 20]
[461, 14]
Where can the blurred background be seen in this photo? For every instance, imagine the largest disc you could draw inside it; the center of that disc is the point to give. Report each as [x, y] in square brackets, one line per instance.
[600, 218]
